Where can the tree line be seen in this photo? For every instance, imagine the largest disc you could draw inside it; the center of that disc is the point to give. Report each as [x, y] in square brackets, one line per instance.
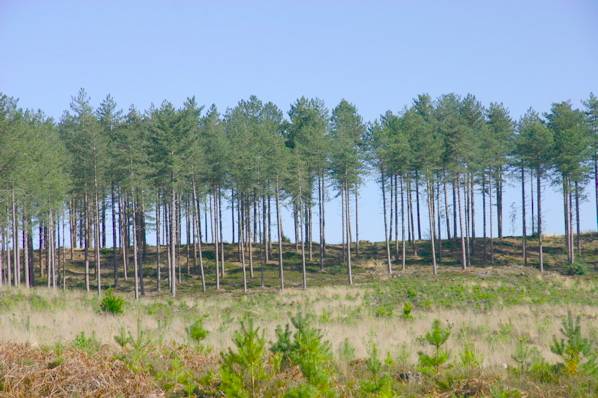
[101, 179]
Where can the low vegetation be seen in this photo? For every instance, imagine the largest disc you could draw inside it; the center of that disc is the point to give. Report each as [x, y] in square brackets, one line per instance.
[486, 332]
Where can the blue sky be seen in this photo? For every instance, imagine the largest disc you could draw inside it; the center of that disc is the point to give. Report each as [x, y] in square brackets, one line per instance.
[376, 54]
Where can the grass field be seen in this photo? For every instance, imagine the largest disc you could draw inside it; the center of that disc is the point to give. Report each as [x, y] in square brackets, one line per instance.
[366, 340]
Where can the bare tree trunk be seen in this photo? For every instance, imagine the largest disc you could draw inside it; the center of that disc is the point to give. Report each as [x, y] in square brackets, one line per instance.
[15, 234]
[158, 245]
[578, 228]
[279, 232]
[461, 231]
[303, 269]
[86, 249]
[446, 210]
[320, 217]
[242, 234]
[356, 222]
[135, 264]
[523, 220]
[221, 239]
[215, 236]
[25, 250]
[199, 248]
[431, 218]
[383, 184]
[172, 276]
[484, 232]
[114, 244]
[499, 202]
[419, 227]
[403, 248]
[490, 227]
[570, 209]
[539, 193]
[348, 223]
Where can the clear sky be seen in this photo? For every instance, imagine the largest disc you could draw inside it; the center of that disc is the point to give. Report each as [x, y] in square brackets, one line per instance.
[376, 54]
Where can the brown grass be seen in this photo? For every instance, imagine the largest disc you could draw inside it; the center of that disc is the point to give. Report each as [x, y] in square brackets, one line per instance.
[30, 372]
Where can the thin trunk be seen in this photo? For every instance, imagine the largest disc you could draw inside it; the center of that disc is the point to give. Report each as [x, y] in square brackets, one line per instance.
[320, 218]
[135, 264]
[490, 227]
[383, 184]
[403, 248]
[279, 232]
[303, 269]
[348, 223]
[539, 223]
[446, 211]
[461, 231]
[158, 245]
[214, 220]
[356, 222]
[419, 227]
[499, 203]
[86, 249]
[172, 276]
[578, 228]
[114, 244]
[523, 220]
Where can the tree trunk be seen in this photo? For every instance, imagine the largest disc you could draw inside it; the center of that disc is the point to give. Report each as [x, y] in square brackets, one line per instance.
[172, 276]
[348, 223]
[320, 218]
[114, 244]
[279, 232]
[86, 249]
[356, 222]
[419, 227]
[303, 269]
[403, 248]
[431, 218]
[539, 223]
[461, 231]
[523, 221]
[215, 236]
[135, 250]
[499, 202]
[577, 226]
[158, 246]
[383, 184]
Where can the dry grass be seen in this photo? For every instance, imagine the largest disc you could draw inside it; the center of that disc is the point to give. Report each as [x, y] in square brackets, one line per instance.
[494, 332]
[28, 372]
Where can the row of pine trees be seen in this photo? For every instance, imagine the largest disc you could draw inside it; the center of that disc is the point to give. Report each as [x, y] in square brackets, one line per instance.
[101, 179]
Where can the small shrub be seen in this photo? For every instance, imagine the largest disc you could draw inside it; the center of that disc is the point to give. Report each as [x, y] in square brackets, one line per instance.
[379, 381]
[112, 304]
[383, 311]
[524, 355]
[307, 349]
[88, 344]
[577, 268]
[407, 310]
[469, 358]
[436, 337]
[197, 331]
[575, 350]
[346, 351]
[243, 370]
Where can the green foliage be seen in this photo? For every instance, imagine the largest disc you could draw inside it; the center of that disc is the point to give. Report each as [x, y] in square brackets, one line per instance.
[197, 332]
[378, 382]
[346, 351]
[524, 355]
[88, 344]
[575, 350]
[243, 370]
[112, 304]
[407, 310]
[436, 337]
[306, 348]
[578, 267]
[469, 357]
